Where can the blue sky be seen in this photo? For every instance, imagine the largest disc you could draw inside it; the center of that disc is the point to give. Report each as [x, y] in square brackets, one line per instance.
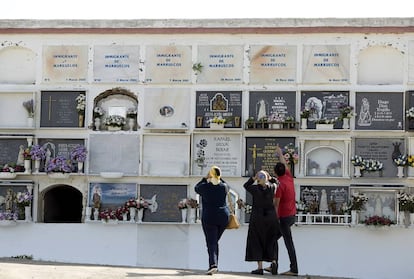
[195, 9]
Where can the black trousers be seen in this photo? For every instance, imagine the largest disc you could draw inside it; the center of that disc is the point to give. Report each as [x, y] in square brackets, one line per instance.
[285, 231]
[213, 234]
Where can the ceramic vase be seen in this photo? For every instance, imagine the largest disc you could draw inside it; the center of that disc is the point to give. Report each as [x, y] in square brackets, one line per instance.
[88, 213]
[37, 166]
[411, 219]
[184, 215]
[28, 213]
[304, 123]
[30, 121]
[192, 216]
[401, 218]
[131, 123]
[97, 123]
[354, 217]
[80, 167]
[95, 214]
[140, 214]
[400, 171]
[132, 213]
[345, 123]
[125, 216]
[357, 171]
[27, 166]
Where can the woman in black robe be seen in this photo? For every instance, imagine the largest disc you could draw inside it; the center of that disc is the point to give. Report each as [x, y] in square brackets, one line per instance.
[264, 225]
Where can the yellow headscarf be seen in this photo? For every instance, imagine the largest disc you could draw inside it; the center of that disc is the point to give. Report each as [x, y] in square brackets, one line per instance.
[214, 174]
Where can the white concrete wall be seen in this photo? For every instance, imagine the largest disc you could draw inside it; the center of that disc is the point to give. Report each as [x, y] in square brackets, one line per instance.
[356, 252]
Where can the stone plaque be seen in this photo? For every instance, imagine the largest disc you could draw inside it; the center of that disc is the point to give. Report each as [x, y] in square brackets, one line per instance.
[168, 64]
[224, 104]
[18, 65]
[167, 107]
[167, 198]
[220, 64]
[326, 64]
[116, 64]
[379, 110]
[159, 159]
[222, 150]
[114, 153]
[12, 112]
[65, 64]
[324, 199]
[272, 64]
[271, 104]
[381, 149]
[261, 153]
[9, 150]
[58, 109]
[111, 195]
[325, 104]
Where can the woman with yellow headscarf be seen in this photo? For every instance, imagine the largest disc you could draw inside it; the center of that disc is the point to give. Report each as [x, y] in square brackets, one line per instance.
[215, 213]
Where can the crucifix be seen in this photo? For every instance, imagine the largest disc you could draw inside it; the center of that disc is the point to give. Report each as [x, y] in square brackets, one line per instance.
[254, 156]
[49, 100]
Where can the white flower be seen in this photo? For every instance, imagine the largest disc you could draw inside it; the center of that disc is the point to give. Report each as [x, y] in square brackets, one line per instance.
[81, 99]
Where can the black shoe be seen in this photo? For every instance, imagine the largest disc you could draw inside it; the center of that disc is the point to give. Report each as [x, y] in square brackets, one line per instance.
[257, 271]
[273, 268]
[212, 270]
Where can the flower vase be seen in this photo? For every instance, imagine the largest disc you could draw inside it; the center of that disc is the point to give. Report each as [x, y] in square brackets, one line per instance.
[114, 128]
[345, 123]
[131, 123]
[184, 215]
[88, 213]
[140, 215]
[354, 217]
[80, 120]
[80, 167]
[27, 166]
[95, 214]
[192, 216]
[132, 212]
[28, 213]
[411, 219]
[357, 171]
[125, 216]
[304, 123]
[30, 121]
[37, 166]
[400, 171]
[97, 123]
[401, 218]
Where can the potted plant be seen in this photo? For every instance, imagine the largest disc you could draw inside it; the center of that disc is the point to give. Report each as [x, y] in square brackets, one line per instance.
[249, 123]
[313, 167]
[356, 204]
[114, 122]
[78, 155]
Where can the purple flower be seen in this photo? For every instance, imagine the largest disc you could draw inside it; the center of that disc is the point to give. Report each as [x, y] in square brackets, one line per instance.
[78, 154]
[38, 152]
[23, 198]
[59, 164]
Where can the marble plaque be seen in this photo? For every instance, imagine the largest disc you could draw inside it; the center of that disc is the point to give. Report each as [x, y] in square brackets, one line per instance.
[272, 64]
[167, 107]
[65, 64]
[324, 199]
[271, 104]
[116, 64]
[222, 150]
[18, 65]
[159, 159]
[379, 110]
[12, 112]
[221, 64]
[381, 149]
[380, 64]
[326, 64]
[168, 64]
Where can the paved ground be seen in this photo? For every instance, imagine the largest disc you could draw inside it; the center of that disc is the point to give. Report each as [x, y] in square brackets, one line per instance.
[11, 268]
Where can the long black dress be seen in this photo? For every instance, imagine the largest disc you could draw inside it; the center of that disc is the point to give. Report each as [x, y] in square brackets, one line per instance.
[263, 226]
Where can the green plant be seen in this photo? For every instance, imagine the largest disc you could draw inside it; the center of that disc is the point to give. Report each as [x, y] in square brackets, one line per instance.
[197, 67]
[357, 201]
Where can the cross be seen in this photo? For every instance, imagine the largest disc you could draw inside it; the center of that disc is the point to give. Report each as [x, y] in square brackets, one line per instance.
[50, 106]
[254, 156]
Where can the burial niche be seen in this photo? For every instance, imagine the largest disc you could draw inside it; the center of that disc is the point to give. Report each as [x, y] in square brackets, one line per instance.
[62, 204]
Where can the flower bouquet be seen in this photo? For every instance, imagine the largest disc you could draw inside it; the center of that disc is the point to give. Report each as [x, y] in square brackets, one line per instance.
[358, 201]
[37, 152]
[115, 121]
[409, 113]
[378, 221]
[247, 208]
[345, 111]
[59, 164]
[29, 106]
[23, 199]
[78, 154]
[131, 112]
[7, 168]
[81, 103]
[192, 203]
[107, 214]
[182, 204]
[357, 161]
[290, 152]
[406, 202]
[410, 161]
[401, 160]
[373, 165]
[98, 112]
[131, 203]
[142, 203]
[8, 216]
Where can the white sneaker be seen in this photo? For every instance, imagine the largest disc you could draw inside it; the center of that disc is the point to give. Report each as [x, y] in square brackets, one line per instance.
[212, 270]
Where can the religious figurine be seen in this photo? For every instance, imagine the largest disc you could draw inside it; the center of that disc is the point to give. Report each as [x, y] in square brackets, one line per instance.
[364, 115]
[9, 200]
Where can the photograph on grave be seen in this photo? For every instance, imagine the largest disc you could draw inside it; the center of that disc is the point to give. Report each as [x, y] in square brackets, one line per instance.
[18, 65]
[323, 199]
[65, 64]
[324, 107]
[159, 159]
[62, 109]
[273, 108]
[12, 152]
[325, 158]
[167, 108]
[379, 152]
[261, 153]
[220, 64]
[165, 199]
[381, 201]
[216, 105]
[54, 148]
[110, 196]
[409, 110]
[12, 208]
[115, 63]
[114, 154]
[272, 64]
[168, 64]
[17, 110]
[223, 150]
[379, 110]
[326, 64]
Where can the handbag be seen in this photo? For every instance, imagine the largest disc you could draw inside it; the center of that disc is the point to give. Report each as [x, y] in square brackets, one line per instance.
[233, 221]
